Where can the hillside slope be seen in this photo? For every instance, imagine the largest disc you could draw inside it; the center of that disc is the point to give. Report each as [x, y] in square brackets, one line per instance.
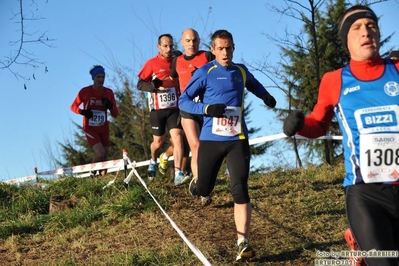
[295, 213]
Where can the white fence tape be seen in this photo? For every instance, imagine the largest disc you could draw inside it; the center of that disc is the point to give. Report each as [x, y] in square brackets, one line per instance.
[82, 171]
[282, 135]
[19, 180]
[196, 251]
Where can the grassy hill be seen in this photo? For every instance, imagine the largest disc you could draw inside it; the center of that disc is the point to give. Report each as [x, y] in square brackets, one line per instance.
[295, 213]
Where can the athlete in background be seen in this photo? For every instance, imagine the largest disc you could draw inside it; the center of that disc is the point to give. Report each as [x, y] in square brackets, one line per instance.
[183, 68]
[96, 100]
[163, 98]
[364, 96]
[394, 55]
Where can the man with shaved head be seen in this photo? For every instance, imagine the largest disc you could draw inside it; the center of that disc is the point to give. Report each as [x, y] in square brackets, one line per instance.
[183, 68]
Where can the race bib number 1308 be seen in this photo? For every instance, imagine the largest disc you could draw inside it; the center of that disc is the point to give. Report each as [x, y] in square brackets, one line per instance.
[379, 157]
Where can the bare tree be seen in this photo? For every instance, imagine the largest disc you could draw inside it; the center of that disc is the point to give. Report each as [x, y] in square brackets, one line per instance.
[19, 53]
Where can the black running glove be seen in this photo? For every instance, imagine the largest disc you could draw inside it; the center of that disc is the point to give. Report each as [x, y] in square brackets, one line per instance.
[87, 113]
[107, 103]
[293, 123]
[215, 110]
[269, 100]
[156, 83]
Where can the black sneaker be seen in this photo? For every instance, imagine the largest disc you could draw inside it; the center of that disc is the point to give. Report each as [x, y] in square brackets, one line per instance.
[193, 187]
[245, 252]
[93, 174]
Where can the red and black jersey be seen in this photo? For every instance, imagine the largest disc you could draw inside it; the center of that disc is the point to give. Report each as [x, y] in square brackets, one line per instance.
[159, 67]
[183, 66]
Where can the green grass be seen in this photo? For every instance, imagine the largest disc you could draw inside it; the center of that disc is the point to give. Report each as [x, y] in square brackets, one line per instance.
[295, 213]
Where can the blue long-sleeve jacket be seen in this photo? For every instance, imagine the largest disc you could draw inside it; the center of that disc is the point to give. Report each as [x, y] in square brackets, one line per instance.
[216, 84]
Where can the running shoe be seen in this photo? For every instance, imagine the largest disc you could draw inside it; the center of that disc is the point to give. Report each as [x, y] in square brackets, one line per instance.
[93, 174]
[245, 252]
[103, 172]
[205, 201]
[163, 164]
[181, 179]
[193, 187]
[350, 240]
[186, 173]
[152, 170]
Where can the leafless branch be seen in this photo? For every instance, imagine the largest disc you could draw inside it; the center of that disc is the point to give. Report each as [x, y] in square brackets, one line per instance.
[19, 53]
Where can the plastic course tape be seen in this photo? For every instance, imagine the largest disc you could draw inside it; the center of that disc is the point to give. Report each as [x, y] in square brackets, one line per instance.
[194, 249]
[85, 170]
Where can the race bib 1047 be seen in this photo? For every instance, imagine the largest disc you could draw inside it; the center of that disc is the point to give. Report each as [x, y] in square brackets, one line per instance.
[229, 124]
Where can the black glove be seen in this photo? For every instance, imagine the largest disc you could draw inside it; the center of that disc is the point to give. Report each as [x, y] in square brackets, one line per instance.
[156, 83]
[107, 103]
[215, 110]
[87, 113]
[195, 69]
[293, 123]
[269, 100]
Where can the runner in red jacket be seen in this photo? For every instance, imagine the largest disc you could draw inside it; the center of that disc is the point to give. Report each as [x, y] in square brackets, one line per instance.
[96, 100]
[163, 96]
[183, 68]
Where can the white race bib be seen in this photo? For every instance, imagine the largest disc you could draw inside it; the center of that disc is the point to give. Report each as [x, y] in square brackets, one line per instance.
[379, 157]
[98, 118]
[229, 124]
[165, 99]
